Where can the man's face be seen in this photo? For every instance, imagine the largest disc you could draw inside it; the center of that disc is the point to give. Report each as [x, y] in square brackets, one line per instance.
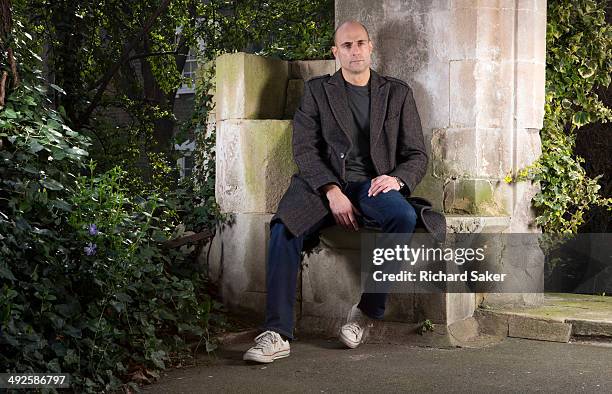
[353, 49]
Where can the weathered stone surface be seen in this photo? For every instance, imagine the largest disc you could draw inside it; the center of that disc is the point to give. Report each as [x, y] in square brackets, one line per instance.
[495, 100]
[254, 164]
[431, 93]
[306, 69]
[238, 263]
[530, 92]
[490, 102]
[463, 330]
[544, 330]
[459, 306]
[516, 300]
[471, 153]
[330, 282]
[295, 91]
[591, 328]
[463, 23]
[523, 220]
[432, 189]
[452, 152]
[477, 224]
[531, 147]
[492, 323]
[482, 3]
[250, 87]
[463, 106]
[471, 197]
[495, 33]
[331, 285]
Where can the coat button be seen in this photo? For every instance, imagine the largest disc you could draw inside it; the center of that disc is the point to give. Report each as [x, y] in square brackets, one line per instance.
[342, 155]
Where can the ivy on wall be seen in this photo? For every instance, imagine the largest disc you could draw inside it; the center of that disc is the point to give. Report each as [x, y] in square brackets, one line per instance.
[578, 59]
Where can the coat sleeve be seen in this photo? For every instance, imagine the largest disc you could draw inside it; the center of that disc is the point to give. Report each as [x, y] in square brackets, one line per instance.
[411, 154]
[308, 144]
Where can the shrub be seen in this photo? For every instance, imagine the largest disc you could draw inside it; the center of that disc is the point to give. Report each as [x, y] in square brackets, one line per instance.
[87, 287]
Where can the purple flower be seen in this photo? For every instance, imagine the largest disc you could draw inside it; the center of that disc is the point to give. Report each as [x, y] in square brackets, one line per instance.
[90, 249]
[93, 229]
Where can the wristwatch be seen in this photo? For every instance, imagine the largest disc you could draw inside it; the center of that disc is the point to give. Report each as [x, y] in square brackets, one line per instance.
[399, 182]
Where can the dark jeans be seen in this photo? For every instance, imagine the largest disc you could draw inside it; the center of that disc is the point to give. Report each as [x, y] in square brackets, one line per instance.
[390, 210]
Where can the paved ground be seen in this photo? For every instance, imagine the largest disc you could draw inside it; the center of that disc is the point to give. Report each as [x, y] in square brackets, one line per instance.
[318, 365]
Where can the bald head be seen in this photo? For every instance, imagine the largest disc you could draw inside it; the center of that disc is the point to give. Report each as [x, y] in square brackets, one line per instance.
[353, 49]
[350, 24]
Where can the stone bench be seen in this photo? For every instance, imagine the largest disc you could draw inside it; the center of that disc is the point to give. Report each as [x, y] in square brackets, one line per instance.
[470, 138]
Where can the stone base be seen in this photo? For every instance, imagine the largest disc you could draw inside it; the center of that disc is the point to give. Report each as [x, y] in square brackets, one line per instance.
[329, 282]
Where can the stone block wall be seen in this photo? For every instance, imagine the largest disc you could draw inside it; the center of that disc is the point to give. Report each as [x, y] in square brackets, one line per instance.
[477, 72]
[477, 69]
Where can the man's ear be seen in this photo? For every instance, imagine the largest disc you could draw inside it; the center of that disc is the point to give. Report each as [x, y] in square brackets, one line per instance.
[334, 50]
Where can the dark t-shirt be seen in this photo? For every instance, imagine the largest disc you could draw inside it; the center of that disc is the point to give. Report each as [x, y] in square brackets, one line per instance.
[359, 165]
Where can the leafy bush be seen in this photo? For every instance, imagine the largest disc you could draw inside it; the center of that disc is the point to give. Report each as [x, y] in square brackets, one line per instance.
[87, 286]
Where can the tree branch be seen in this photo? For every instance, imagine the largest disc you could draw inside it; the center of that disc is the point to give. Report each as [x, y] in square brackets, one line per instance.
[3, 87]
[151, 54]
[108, 76]
[13, 66]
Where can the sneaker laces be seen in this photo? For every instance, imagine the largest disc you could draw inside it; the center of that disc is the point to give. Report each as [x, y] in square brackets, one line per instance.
[353, 327]
[265, 339]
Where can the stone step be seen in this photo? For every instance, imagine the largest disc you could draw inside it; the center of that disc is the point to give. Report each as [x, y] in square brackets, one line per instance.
[562, 318]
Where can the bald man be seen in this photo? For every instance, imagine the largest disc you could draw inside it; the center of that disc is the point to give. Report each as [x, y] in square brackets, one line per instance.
[358, 145]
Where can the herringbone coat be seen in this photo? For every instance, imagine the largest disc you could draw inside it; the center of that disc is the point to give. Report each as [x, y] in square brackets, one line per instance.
[321, 142]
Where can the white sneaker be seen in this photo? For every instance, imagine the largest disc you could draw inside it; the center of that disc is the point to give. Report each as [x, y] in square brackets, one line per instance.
[269, 346]
[352, 333]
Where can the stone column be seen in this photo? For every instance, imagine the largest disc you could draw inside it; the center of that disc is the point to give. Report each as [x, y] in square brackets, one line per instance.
[255, 100]
[477, 71]
[253, 167]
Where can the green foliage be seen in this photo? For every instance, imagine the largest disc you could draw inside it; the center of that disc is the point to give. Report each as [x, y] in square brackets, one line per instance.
[579, 58]
[106, 303]
[291, 30]
[427, 326]
[294, 30]
[88, 287]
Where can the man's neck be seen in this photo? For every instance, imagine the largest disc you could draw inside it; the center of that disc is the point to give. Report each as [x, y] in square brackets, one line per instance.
[360, 79]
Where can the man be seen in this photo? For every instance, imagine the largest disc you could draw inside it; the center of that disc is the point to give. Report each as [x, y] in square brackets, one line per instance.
[358, 145]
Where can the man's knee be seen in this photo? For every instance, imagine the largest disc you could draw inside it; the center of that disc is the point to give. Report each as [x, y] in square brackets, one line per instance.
[404, 219]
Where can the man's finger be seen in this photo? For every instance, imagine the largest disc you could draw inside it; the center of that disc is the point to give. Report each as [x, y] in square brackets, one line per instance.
[345, 222]
[353, 222]
[376, 190]
[356, 210]
[373, 189]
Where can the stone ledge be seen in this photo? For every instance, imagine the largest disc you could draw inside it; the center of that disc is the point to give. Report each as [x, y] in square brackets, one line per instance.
[337, 238]
[562, 317]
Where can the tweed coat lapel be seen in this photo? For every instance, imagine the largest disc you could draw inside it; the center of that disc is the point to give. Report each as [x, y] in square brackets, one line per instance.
[338, 102]
[379, 95]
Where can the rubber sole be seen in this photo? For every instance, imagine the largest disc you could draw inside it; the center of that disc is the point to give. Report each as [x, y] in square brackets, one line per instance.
[261, 358]
[347, 341]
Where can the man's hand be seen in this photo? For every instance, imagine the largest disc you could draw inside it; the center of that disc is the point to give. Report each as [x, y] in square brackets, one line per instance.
[383, 183]
[343, 210]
